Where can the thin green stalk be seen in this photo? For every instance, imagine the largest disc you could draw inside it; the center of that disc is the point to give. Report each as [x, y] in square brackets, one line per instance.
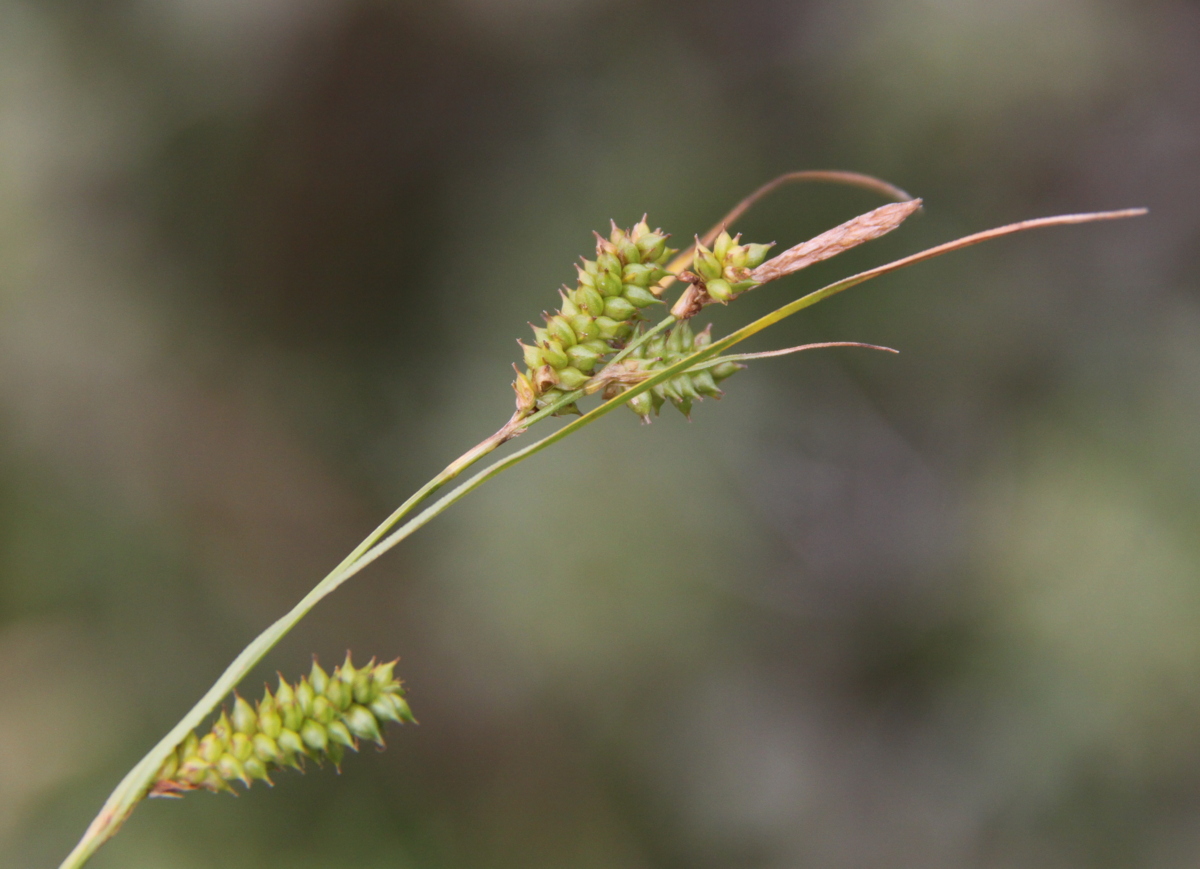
[138, 781]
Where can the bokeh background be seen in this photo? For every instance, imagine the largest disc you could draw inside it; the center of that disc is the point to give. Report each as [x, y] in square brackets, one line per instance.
[262, 264]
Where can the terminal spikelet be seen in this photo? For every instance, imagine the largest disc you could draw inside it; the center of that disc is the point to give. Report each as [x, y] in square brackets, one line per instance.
[661, 352]
[596, 317]
[317, 719]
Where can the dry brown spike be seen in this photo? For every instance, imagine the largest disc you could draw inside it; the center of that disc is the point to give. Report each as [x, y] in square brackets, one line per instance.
[852, 233]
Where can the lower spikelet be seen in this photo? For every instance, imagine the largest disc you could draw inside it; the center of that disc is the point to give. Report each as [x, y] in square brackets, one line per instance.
[318, 719]
[663, 351]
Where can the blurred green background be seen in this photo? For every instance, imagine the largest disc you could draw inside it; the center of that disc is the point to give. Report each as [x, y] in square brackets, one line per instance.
[262, 264]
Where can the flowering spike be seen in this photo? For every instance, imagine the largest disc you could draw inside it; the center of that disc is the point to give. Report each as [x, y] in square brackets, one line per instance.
[720, 274]
[682, 390]
[319, 718]
[596, 317]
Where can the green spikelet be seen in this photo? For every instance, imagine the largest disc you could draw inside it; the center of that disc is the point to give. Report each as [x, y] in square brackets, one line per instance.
[317, 719]
[596, 317]
[661, 352]
[719, 275]
[725, 270]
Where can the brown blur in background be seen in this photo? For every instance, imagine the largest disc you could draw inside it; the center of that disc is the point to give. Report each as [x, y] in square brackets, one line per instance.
[262, 265]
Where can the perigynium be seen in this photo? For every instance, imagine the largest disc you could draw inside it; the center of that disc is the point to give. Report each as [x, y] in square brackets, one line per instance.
[599, 340]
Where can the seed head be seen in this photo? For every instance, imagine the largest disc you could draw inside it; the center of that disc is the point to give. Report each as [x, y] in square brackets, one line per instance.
[720, 274]
[596, 317]
[317, 719]
[663, 351]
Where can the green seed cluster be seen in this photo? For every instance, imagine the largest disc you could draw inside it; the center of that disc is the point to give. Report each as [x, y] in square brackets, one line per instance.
[596, 317]
[317, 719]
[661, 352]
[720, 274]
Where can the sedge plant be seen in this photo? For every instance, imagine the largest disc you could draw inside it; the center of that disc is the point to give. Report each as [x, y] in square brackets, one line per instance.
[602, 339]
